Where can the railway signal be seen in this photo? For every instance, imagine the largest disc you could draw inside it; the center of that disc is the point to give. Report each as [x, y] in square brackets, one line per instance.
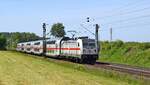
[88, 19]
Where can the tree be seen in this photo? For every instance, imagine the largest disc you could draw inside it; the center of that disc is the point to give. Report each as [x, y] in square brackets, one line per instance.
[15, 37]
[2, 42]
[57, 30]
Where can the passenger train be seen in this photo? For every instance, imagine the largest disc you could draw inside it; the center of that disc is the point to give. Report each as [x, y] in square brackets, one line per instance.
[81, 49]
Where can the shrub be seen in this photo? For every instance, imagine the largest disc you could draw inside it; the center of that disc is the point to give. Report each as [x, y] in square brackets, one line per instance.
[2, 43]
[117, 43]
[144, 46]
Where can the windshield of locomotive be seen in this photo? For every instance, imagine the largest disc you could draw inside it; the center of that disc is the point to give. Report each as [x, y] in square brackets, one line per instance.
[88, 43]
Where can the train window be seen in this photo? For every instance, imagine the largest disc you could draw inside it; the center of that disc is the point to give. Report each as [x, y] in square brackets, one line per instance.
[36, 49]
[28, 49]
[78, 44]
[37, 43]
[85, 44]
[92, 44]
[50, 42]
[28, 44]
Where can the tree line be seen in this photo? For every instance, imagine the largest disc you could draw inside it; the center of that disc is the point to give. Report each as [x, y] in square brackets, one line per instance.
[9, 40]
[2, 42]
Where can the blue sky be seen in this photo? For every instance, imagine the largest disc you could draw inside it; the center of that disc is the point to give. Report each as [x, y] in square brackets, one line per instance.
[28, 16]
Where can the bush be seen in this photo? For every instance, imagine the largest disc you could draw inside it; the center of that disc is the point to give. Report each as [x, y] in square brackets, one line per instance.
[118, 43]
[144, 46]
[2, 43]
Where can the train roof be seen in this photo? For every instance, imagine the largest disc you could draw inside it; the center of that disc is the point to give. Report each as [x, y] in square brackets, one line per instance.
[59, 39]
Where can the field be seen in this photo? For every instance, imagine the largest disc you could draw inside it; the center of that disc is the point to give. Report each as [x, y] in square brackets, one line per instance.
[22, 69]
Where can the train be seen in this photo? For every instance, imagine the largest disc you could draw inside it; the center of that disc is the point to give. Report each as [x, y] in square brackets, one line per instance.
[81, 49]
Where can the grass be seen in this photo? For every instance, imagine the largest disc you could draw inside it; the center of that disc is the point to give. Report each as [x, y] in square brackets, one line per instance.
[131, 53]
[22, 69]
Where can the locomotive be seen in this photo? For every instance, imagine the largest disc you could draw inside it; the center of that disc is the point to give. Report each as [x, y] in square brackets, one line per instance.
[81, 49]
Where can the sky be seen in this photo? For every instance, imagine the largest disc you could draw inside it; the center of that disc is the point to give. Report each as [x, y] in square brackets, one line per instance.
[129, 19]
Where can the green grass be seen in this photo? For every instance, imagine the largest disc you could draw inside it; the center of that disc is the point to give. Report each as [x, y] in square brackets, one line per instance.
[131, 53]
[22, 69]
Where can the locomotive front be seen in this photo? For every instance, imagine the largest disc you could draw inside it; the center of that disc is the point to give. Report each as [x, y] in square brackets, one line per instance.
[89, 51]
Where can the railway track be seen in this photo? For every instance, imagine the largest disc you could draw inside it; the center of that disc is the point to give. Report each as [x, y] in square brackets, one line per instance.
[138, 71]
[143, 72]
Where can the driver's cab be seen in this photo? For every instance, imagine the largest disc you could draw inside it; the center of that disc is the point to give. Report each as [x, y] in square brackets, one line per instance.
[89, 46]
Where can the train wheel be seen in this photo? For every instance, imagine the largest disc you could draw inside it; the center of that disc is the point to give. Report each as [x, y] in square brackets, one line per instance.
[76, 60]
[80, 61]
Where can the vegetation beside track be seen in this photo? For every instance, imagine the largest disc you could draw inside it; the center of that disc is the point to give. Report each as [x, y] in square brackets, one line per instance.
[23, 69]
[131, 53]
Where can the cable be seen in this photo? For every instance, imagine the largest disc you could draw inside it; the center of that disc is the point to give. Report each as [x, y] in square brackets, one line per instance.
[136, 10]
[134, 18]
[134, 4]
[125, 26]
[135, 24]
[126, 5]
[87, 29]
[129, 12]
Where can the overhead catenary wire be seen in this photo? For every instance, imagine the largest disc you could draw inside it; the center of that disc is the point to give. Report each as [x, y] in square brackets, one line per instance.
[129, 19]
[128, 5]
[129, 12]
[128, 26]
[121, 9]
[135, 24]
[124, 12]
[132, 18]
[87, 29]
[133, 11]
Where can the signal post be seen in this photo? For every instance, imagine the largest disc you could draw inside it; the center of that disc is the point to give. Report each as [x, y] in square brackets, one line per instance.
[44, 39]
